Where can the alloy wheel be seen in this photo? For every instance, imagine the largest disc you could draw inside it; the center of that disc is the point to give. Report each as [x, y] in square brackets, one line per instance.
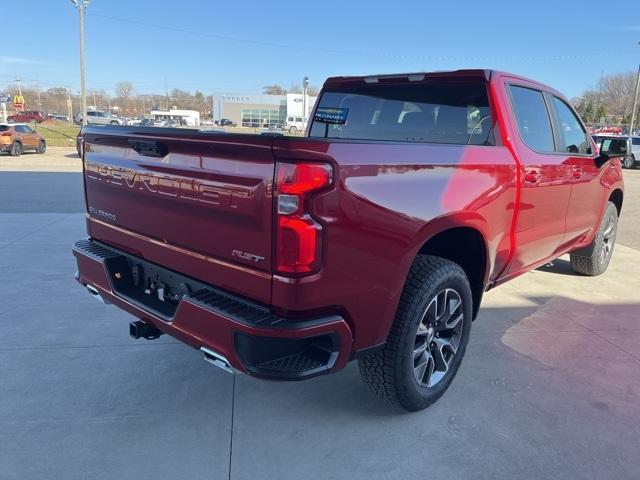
[438, 337]
[608, 240]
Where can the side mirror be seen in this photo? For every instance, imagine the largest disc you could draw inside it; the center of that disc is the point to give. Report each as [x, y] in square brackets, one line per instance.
[612, 148]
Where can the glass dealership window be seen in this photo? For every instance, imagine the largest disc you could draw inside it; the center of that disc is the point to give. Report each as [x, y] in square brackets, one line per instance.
[260, 117]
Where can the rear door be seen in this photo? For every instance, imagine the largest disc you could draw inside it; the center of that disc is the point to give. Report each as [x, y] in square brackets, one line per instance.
[545, 179]
[202, 196]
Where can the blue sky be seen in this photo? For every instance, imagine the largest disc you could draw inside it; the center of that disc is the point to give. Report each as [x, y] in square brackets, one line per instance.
[240, 46]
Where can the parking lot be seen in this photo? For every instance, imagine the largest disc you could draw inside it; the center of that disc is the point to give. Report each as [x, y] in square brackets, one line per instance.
[550, 386]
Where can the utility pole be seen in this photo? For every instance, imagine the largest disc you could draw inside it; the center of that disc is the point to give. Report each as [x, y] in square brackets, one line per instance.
[305, 87]
[166, 92]
[81, 5]
[69, 107]
[635, 102]
[599, 94]
[18, 81]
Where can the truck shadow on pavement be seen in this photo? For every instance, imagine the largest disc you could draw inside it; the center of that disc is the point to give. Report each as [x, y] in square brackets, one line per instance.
[560, 344]
[559, 266]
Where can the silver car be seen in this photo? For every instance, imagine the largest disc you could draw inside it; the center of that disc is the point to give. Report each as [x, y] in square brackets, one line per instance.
[98, 117]
[633, 147]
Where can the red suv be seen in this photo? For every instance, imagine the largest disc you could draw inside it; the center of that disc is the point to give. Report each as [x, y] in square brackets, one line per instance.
[27, 116]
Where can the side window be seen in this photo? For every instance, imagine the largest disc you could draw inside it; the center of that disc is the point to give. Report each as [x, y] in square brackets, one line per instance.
[573, 135]
[532, 118]
[635, 141]
[91, 114]
[21, 129]
[26, 129]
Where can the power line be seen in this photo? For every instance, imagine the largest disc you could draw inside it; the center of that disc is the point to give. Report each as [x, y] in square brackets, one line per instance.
[394, 55]
[213, 35]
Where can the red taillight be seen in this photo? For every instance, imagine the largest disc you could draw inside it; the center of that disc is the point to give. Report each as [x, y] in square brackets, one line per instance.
[5, 134]
[298, 239]
[296, 179]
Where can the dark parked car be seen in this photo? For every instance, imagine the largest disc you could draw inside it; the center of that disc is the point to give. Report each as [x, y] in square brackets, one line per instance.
[373, 238]
[225, 122]
[27, 116]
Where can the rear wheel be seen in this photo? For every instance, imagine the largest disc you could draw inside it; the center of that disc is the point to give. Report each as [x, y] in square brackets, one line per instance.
[42, 147]
[628, 162]
[114, 123]
[594, 259]
[293, 129]
[16, 149]
[428, 338]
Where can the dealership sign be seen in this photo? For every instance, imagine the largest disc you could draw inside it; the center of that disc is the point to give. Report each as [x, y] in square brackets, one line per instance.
[236, 98]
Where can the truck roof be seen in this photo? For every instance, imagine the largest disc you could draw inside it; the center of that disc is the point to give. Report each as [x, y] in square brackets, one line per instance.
[479, 73]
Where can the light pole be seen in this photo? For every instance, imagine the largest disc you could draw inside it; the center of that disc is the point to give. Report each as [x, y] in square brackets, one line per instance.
[81, 5]
[635, 102]
[305, 87]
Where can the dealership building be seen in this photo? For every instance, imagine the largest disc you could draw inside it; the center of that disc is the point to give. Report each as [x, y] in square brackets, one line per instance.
[262, 110]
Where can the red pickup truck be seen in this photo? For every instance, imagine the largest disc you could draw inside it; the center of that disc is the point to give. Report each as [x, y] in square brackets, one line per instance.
[372, 238]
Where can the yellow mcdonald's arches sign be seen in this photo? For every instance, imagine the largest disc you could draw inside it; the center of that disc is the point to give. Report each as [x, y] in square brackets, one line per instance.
[18, 101]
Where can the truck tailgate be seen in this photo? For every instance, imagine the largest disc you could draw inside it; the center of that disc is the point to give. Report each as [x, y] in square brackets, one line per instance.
[198, 203]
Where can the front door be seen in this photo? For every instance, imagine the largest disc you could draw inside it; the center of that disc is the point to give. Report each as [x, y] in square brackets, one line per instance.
[28, 137]
[587, 195]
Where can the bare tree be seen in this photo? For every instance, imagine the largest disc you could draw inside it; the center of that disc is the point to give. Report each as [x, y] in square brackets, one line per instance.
[124, 89]
[273, 90]
[613, 98]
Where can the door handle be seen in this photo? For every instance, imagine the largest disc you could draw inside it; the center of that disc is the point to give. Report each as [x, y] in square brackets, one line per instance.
[532, 176]
[149, 148]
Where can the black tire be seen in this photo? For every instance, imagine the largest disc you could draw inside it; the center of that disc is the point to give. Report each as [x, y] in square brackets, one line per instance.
[628, 162]
[16, 149]
[42, 147]
[594, 259]
[114, 123]
[293, 129]
[392, 371]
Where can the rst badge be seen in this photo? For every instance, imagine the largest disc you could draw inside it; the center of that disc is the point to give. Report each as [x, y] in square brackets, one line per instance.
[247, 256]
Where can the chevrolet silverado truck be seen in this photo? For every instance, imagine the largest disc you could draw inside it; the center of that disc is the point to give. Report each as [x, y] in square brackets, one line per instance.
[372, 238]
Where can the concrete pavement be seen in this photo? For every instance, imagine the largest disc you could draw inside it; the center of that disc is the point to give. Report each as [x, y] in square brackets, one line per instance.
[550, 386]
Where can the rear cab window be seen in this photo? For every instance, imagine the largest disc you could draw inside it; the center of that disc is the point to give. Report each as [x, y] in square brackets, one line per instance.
[432, 112]
[532, 117]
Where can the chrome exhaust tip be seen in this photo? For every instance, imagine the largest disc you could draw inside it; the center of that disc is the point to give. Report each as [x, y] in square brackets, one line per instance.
[216, 359]
[93, 291]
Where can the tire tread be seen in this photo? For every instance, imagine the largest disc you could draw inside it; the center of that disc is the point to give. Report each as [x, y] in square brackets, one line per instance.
[379, 369]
